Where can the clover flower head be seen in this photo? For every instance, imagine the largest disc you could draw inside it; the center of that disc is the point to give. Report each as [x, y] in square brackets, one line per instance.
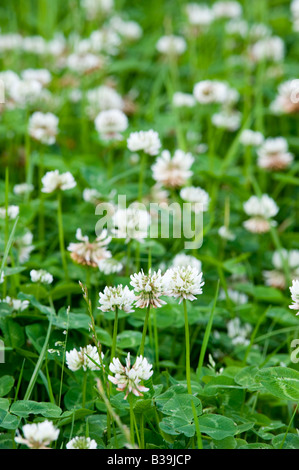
[261, 209]
[38, 435]
[117, 297]
[183, 282]
[41, 276]
[148, 141]
[53, 181]
[81, 442]
[128, 378]
[90, 253]
[76, 359]
[149, 288]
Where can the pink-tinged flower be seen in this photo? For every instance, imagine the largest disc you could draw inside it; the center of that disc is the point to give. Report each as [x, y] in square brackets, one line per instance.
[276, 277]
[274, 154]
[150, 288]
[90, 253]
[261, 209]
[111, 123]
[173, 172]
[128, 378]
[287, 100]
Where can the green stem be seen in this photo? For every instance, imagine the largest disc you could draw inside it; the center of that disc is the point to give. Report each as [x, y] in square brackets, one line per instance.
[84, 389]
[207, 334]
[288, 428]
[156, 339]
[142, 443]
[188, 375]
[114, 334]
[141, 175]
[132, 435]
[141, 352]
[61, 236]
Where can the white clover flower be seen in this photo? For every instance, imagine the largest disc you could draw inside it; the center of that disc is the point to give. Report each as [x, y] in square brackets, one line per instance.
[91, 195]
[34, 44]
[12, 212]
[251, 138]
[38, 435]
[173, 171]
[116, 298]
[110, 266]
[226, 234]
[198, 197]
[128, 378]
[199, 14]
[271, 49]
[287, 100]
[149, 288]
[23, 92]
[148, 141]
[16, 304]
[274, 154]
[183, 100]
[237, 27]
[81, 442]
[24, 246]
[131, 223]
[261, 209]
[227, 119]
[127, 29]
[238, 333]
[295, 14]
[23, 188]
[210, 91]
[237, 297]
[111, 123]
[75, 359]
[10, 42]
[276, 277]
[295, 295]
[259, 31]
[186, 260]
[84, 62]
[53, 181]
[183, 282]
[96, 7]
[43, 127]
[103, 98]
[227, 9]
[90, 253]
[40, 75]
[41, 276]
[171, 45]
[105, 40]
[1, 277]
